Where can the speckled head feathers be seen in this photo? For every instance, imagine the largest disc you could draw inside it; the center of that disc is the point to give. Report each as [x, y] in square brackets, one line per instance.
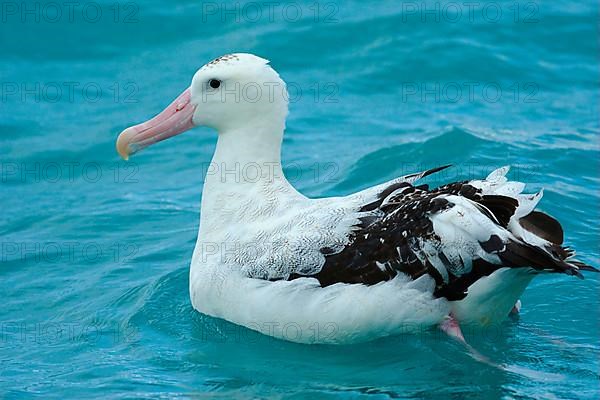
[236, 58]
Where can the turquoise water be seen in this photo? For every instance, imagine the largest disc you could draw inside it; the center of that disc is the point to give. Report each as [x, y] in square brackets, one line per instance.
[95, 251]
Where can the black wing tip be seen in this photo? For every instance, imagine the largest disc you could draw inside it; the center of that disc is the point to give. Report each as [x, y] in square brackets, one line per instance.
[520, 254]
[421, 175]
[434, 170]
[583, 266]
[575, 272]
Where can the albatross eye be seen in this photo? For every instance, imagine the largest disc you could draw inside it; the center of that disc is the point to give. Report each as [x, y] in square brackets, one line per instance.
[214, 83]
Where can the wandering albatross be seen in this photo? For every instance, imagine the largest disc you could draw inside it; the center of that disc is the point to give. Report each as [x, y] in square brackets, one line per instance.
[393, 258]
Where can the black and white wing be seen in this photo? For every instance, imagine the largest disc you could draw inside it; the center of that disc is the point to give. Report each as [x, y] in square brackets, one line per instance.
[456, 233]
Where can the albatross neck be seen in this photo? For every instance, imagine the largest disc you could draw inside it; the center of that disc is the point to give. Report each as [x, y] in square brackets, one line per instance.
[249, 145]
[248, 155]
[245, 173]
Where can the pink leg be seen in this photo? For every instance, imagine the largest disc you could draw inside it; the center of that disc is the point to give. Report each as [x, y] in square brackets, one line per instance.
[452, 328]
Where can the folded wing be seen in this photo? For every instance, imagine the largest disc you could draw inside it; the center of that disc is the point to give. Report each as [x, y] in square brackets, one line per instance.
[456, 233]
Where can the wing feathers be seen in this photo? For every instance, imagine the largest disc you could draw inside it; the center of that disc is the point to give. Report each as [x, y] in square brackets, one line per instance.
[544, 226]
[456, 233]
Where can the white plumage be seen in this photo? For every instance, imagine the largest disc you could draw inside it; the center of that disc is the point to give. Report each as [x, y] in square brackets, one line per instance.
[232, 264]
[390, 259]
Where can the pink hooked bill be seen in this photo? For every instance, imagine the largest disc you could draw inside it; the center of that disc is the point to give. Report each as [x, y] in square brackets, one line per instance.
[173, 120]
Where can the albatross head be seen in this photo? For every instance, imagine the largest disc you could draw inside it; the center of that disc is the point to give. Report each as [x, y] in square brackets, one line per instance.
[239, 95]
